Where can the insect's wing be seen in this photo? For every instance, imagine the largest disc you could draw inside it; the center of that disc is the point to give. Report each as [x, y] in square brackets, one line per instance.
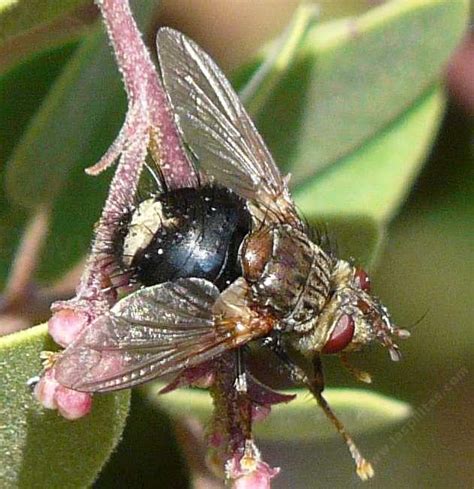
[152, 332]
[216, 126]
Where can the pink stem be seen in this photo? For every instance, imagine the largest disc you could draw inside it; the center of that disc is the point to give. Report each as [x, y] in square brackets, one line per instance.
[143, 86]
[149, 126]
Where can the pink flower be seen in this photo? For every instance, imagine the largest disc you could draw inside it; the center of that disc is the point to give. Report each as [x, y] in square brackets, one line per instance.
[72, 404]
[260, 478]
[65, 325]
[52, 395]
[249, 471]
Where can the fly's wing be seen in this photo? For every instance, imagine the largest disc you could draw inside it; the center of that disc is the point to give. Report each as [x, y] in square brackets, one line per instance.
[217, 128]
[152, 332]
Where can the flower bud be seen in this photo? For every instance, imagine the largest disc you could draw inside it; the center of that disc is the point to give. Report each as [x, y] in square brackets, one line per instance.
[73, 404]
[65, 325]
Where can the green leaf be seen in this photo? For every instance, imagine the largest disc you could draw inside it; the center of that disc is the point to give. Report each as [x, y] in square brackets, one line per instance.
[329, 9]
[22, 89]
[361, 193]
[354, 110]
[39, 448]
[78, 118]
[258, 85]
[373, 180]
[71, 117]
[17, 16]
[21, 92]
[301, 419]
[76, 123]
[352, 78]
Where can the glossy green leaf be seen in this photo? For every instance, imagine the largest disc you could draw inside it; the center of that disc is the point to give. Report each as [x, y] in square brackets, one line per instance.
[39, 448]
[361, 193]
[18, 16]
[361, 410]
[352, 78]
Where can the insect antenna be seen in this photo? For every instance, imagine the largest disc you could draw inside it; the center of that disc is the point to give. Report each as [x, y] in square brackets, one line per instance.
[418, 321]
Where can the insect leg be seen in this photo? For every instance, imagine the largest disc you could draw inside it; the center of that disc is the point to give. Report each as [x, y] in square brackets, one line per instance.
[296, 373]
[360, 375]
[363, 467]
[316, 386]
[240, 375]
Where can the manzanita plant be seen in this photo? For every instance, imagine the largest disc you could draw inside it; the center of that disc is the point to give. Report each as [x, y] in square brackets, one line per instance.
[149, 129]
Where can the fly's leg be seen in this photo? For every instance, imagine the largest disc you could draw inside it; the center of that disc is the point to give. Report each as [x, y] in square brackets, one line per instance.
[316, 385]
[363, 467]
[240, 371]
[360, 375]
[297, 374]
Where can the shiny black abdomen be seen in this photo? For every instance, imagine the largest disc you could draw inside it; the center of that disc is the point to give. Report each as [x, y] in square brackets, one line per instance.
[206, 226]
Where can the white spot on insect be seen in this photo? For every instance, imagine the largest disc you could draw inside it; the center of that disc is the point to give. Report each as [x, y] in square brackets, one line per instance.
[146, 220]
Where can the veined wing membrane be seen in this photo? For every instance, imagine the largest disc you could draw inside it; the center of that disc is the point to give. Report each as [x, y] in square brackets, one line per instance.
[216, 126]
[152, 332]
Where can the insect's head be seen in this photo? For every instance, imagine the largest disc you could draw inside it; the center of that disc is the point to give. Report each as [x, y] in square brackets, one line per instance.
[355, 317]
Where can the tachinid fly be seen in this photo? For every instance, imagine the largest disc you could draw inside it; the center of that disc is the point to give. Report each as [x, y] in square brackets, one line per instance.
[224, 264]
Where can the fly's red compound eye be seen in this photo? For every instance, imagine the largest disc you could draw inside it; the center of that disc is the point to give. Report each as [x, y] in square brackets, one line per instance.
[341, 335]
[362, 280]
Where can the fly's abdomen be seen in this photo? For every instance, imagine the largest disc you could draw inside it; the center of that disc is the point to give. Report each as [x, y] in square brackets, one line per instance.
[287, 272]
[186, 233]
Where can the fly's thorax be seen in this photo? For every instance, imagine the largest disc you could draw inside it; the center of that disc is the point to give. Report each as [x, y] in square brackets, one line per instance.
[311, 336]
[287, 273]
[342, 303]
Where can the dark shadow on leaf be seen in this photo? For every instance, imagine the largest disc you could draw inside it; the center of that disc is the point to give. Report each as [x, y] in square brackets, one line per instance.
[354, 237]
[147, 456]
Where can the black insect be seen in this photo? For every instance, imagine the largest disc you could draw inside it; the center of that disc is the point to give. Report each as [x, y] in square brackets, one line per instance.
[224, 264]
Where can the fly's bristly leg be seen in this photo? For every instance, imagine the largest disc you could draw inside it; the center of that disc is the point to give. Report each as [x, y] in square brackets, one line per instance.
[363, 467]
[358, 374]
[296, 373]
[240, 374]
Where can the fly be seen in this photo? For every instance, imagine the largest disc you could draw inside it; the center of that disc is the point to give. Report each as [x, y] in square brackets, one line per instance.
[225, 264]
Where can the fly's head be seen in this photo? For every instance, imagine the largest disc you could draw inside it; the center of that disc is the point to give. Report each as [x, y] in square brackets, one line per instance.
[354, 318]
